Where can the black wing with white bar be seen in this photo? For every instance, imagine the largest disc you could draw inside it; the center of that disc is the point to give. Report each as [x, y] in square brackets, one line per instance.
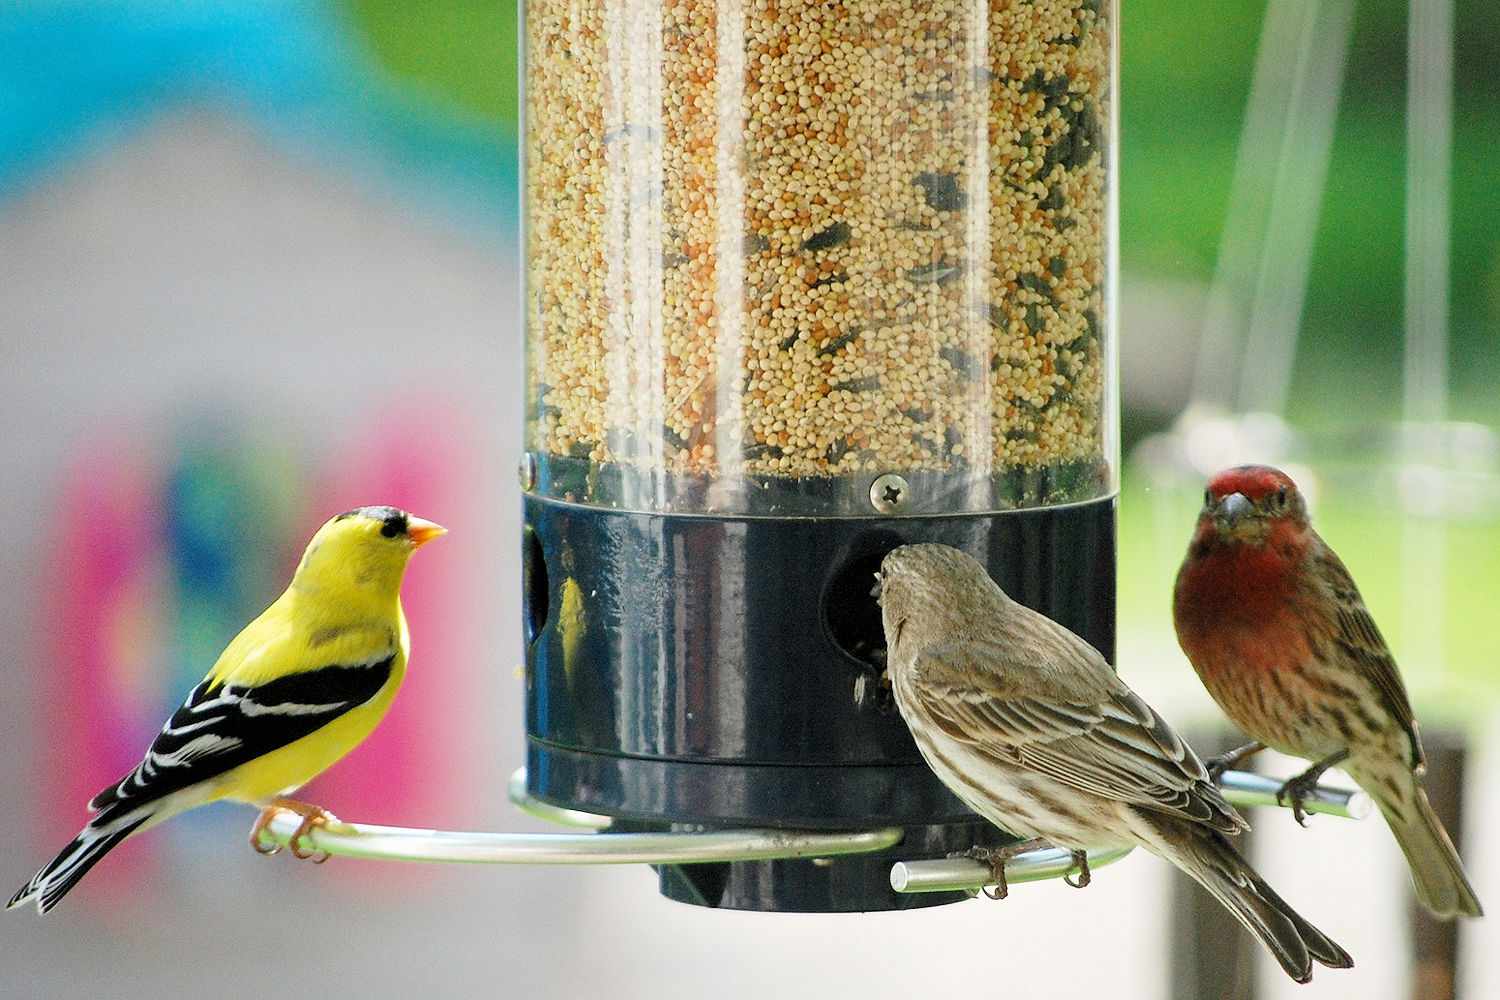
[218, 729]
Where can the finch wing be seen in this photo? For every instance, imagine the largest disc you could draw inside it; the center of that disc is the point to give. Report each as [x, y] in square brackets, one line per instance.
[222, 726]
[1354, 634]
[1109, 742]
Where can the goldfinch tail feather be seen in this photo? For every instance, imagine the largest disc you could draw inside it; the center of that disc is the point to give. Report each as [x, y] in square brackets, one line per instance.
[49, 885]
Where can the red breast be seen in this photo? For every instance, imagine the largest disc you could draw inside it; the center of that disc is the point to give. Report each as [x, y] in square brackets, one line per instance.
[1235, 602]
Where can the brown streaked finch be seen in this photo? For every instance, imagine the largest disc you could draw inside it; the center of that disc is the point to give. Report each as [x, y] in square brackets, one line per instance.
[1278, 633]
[1030, 727]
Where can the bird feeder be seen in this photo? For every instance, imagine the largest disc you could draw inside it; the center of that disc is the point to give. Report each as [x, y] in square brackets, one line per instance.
[803, 282]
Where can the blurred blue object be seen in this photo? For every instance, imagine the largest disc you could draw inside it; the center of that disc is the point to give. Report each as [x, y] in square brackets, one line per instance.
[75, 77]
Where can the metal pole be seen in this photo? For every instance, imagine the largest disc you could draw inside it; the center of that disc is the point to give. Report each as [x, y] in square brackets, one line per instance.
[964, 874]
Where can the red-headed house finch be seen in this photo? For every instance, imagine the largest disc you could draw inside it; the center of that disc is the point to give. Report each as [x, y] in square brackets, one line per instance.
[1277, 631]
[1030, 727]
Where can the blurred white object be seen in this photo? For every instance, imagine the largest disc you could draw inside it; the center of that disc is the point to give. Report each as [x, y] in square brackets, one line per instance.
[1447, 471]
[1254, 308]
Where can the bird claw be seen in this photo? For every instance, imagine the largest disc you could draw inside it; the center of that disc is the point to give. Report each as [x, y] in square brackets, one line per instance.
[1217, 765]
[317, 857]
[260, 846]
[995, 858]
[312, 816]
[1305, 785]
[997, 875]
[1081, 864]
[1294, 792]
[294, 842]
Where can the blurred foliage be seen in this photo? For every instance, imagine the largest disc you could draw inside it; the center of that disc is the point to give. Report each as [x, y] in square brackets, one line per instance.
[1184, 84]
[459, 52]
[1186, 73]
[1185, 80]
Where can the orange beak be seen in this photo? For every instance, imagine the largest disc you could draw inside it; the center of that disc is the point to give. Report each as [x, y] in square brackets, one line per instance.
[422, 531]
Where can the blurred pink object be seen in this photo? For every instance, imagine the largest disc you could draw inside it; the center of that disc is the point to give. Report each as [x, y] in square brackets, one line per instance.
[418, 769]
[100, 689]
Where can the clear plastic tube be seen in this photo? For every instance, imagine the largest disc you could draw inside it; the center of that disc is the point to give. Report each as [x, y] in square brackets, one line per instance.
[777, 249]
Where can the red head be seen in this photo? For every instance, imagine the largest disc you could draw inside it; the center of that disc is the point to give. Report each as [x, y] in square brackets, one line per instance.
[1249, 502]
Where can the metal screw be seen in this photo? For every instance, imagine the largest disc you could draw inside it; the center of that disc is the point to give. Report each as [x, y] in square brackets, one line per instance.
[888, 493]
[526, 471]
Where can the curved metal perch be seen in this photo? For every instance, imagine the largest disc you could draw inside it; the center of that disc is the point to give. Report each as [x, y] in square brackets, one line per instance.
[395, 843]
[390, 843]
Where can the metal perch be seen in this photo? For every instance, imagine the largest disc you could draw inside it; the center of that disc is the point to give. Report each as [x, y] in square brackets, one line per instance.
[1241, 788]
[390, 843]
[396, 843]
[965, 874]
[1246, 788]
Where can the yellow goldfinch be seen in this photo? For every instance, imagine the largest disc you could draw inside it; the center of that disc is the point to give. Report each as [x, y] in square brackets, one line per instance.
[299, 688]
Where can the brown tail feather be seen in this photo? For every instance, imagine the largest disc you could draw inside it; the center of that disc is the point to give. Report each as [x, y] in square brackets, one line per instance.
[1213, 863]
[1437, 873]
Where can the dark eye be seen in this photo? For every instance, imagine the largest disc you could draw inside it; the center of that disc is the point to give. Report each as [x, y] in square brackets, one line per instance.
[393, 526]
[1208, 498]
[1281, 497]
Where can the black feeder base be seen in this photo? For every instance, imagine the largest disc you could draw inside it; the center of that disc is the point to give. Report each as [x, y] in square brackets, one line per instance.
[689, 672]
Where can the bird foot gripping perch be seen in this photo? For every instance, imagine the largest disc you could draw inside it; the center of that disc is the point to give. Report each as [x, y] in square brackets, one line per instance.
[311, 816]
[997, 858]
[1296, 791]
[1083, 875]
[1216, 766]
